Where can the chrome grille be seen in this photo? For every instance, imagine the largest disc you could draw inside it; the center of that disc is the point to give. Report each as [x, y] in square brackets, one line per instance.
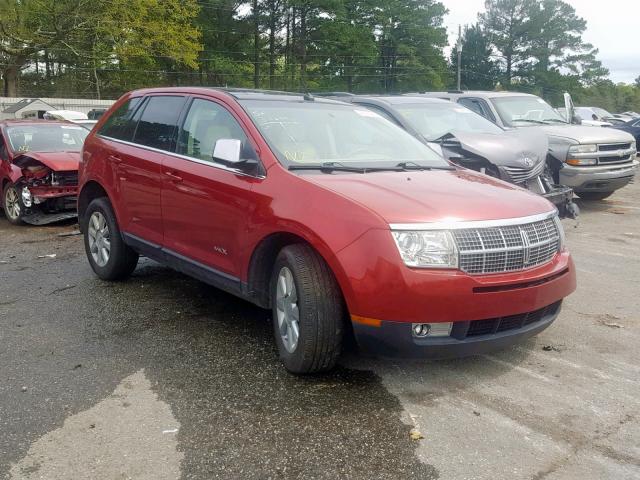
[521, 175]
[507, 248]
[608, 147]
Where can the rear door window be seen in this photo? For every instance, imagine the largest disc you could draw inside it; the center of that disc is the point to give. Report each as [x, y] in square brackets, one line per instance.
[121, 124]
[205, 124]
[158, 123]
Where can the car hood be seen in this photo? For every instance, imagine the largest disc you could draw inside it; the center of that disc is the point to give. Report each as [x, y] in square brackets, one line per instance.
[432, 196]
[56, 161]
[584, 134]
[513, 148]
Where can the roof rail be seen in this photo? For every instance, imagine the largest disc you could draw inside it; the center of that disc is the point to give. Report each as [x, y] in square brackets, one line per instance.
[334, 94]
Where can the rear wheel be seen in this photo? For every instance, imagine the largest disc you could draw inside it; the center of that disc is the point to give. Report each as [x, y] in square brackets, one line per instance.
[308, 311]
[594, 195]
[109, 257]
[13, 206]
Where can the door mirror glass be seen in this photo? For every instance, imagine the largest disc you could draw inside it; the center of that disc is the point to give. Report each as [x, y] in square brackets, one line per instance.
[227, 150]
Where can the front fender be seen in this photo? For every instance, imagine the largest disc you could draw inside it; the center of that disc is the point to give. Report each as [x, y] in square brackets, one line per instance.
[15, 173]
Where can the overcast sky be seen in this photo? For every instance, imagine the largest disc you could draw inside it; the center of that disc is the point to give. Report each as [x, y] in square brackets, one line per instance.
[612, 27]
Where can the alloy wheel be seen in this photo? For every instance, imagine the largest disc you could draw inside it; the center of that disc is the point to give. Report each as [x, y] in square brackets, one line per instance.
[287, 310]
[99, 239]
[12, 202]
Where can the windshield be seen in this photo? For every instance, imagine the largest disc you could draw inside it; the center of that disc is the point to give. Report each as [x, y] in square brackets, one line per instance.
[46, 138]
[314, 132]
[433, 120]
[601, 112]
[518, 111]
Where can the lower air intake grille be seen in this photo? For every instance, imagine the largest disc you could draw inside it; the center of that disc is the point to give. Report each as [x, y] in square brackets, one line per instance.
[512, 322]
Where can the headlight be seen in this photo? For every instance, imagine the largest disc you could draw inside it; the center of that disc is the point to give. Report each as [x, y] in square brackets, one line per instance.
[634, 146]
[583, 149]
[427, 249]
[27, 200]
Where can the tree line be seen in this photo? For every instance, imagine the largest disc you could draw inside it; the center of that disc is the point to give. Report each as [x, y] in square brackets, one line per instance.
[102, 48]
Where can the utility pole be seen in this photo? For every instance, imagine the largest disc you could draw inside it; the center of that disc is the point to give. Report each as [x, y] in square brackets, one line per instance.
[459, 49]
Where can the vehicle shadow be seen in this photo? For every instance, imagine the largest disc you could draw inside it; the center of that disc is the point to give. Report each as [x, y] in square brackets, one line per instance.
[212, 358]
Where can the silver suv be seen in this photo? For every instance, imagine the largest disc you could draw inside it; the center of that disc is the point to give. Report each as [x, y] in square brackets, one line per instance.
[594, 161]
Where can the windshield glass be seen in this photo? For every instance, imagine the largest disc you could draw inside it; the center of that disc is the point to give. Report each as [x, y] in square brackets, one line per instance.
[433, 120]
[601, 112]
[314, 132]
[521, 111]
[46, 138]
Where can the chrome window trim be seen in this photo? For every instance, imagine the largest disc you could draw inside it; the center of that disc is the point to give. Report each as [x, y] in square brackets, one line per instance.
[459, 225]
[182, 157]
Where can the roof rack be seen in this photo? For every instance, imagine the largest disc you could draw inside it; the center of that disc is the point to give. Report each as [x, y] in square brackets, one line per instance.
[257, 90]
[334, 94]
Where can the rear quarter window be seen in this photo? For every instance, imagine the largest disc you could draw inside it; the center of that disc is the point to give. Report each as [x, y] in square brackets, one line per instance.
[159, 121]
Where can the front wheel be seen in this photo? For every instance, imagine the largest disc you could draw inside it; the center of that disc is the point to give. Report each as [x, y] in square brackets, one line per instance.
[109, 257]
[308, 311]
[594, 195]
[13, 206]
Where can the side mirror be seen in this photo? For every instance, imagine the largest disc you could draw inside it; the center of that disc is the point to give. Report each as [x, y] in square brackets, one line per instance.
[576, 120]
[230, 152]
[227, 150]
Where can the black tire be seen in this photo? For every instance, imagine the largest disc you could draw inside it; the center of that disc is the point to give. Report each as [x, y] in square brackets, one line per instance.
[320, 309]
[122, 259]
[594, 195]
[10, 189]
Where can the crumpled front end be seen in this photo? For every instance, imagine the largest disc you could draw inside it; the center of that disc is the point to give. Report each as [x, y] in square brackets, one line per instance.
[515, 157]
[46, 195]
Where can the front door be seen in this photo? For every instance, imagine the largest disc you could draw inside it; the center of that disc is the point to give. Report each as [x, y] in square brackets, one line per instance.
[205, 204]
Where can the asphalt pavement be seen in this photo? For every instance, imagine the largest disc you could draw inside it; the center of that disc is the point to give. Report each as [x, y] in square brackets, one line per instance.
[163, 377]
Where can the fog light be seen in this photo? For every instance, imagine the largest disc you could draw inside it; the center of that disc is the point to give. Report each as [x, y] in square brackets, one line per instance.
[421, 329]
[442, 329]
[26, 197]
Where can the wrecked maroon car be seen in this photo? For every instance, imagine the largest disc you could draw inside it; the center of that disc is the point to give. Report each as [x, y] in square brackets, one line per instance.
[39, 170]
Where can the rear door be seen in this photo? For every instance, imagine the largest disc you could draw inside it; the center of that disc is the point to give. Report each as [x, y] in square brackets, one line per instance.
[205, 204]
[142, 139]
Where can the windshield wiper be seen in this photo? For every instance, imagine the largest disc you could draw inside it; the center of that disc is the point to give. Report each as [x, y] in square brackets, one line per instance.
[341, 167]
[554, 120]
[528, 120]
[416, 166]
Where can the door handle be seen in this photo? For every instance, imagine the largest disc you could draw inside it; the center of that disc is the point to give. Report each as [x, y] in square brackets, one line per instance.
[173, 176]
[115, 159]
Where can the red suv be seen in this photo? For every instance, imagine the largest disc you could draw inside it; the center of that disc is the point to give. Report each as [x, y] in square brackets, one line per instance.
[328, 214]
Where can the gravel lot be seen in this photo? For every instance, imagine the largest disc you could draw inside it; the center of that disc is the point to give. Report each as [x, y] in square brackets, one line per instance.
[162, 377]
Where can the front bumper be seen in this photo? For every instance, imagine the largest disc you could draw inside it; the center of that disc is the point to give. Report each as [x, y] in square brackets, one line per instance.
[50, 204]
[385, 297]
[395, 339]
[603, 178]
[562, 198]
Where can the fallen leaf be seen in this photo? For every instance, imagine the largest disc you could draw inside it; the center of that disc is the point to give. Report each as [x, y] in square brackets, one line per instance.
[415, 435]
